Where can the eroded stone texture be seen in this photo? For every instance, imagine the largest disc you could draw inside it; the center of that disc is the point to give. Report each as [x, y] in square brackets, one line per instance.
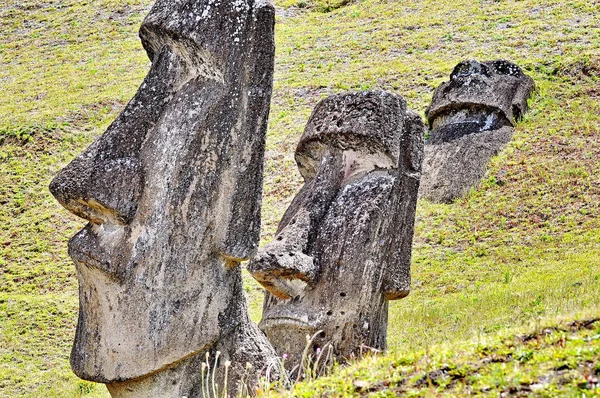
[472, 118]
[172, 192]
[342, 249]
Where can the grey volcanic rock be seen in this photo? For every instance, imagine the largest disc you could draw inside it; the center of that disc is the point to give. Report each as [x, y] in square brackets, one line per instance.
[343, 247]
[472, 117]
[172, 192]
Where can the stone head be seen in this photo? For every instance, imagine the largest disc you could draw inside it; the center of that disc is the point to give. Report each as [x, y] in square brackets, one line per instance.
[172, 192]
[342, 249]
[479, 96]
[472, 117]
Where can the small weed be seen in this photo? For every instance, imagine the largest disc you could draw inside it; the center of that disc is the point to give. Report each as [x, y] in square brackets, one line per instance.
[84, 388]
[524, 356]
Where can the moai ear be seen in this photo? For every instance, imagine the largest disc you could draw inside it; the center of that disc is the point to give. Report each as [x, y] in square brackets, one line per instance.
[412, 142]
[241, 201]
[396, 283]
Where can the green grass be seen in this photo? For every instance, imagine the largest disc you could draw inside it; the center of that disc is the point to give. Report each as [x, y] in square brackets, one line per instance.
[560, 359]
[521, 251]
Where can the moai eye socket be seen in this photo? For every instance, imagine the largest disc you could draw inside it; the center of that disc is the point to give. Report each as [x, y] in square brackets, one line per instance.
[470, 68]
[506, 68]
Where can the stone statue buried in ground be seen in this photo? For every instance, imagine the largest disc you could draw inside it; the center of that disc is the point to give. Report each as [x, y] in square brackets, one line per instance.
[472, 118]
[172, 193]
[343, 247]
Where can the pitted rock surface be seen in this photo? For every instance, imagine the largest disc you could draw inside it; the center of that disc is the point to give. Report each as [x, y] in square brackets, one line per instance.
[342, 248]
[364, 121]
[172, 193]
[472, 117]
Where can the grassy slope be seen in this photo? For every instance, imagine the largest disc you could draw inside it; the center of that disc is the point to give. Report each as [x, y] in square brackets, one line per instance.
[558, 360]
[523, 248]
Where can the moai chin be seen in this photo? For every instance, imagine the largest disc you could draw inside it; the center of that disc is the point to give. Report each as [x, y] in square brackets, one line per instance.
[343, 247]
[472, 118]
[172, 194]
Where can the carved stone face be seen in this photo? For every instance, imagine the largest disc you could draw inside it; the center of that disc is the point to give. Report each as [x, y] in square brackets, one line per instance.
[472, 117]
[479, 97]
[172, 193]
[342, 248]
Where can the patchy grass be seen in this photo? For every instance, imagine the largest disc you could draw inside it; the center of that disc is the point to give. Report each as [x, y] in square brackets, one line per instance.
[523, 248]
[560, 359]
[68, 62]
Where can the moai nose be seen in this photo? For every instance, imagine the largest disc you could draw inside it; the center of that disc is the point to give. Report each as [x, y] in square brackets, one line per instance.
[99, 190]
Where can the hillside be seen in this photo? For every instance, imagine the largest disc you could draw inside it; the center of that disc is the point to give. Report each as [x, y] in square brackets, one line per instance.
[519, 255]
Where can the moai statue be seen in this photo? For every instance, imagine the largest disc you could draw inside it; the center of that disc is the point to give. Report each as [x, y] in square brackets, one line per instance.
[172, 194]
[472, 118]
[343, 247]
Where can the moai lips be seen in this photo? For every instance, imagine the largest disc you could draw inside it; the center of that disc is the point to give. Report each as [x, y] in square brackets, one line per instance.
[172, 193]
[342, 249]
[472, 117]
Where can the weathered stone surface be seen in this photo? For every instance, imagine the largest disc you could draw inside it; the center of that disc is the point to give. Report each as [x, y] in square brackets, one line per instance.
[172, 192]
[342, 249]
[472, 118]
